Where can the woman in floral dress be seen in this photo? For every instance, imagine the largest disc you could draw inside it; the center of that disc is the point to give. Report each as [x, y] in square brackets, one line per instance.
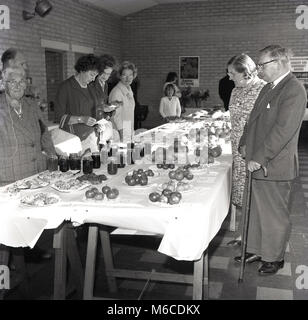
[242, 70]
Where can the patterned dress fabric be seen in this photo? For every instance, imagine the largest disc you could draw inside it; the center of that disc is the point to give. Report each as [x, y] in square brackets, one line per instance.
[241, 103]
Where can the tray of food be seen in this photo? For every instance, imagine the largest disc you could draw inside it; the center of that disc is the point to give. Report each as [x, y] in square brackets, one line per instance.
[16, 187]
[49, 176]
[93, 178]
[40, 199]
[70, 185]
[180, 186]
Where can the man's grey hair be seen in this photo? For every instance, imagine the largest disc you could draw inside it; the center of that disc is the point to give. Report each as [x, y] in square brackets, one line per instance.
[278, 52]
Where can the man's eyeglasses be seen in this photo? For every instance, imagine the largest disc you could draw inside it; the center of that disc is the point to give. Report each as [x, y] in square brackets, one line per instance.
[261, 65]
[16, 84]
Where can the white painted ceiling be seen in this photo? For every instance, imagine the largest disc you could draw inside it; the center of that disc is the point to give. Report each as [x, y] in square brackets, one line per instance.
[125, 7]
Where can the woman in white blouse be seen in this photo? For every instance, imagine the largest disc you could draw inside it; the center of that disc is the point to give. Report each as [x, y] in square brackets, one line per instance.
[169, 105]
[123, 119]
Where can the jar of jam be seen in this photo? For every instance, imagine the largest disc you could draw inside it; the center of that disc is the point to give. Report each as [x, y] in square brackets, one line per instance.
[52, 162]
[74, 161]
[87, 165]
[96, 160]
[63, 163]
[112, 166]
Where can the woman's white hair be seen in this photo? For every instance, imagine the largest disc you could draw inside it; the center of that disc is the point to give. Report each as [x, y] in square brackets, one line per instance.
[9, 72]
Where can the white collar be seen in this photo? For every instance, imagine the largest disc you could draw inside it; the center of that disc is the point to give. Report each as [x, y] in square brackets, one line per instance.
[275, 82]
[102, 83]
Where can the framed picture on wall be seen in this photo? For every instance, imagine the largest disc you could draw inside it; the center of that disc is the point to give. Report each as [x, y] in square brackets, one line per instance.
[189, 71]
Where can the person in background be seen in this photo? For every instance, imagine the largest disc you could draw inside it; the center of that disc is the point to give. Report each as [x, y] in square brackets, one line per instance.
[170, 106]
[173, 78]
[24, 139]
[242, 70]
[74, 104]
[123, 119]
[270, 142]
[226, 86]
[99, 87]
[100, 93]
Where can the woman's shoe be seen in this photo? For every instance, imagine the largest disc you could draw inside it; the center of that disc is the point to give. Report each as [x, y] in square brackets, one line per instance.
[234, 243]
[249, 258]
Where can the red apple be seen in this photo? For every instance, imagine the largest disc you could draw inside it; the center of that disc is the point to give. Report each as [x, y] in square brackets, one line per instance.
[154, 196]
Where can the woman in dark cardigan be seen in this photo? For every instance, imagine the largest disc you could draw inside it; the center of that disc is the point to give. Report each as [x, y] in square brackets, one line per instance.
[74, 104]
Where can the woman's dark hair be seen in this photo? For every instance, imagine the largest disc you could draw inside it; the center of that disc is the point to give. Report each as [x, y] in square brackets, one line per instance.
[106, 61]
[171, 76]
[86, 63]
[169, 85]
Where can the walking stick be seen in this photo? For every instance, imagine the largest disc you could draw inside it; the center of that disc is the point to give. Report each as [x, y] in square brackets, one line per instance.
[246, 223]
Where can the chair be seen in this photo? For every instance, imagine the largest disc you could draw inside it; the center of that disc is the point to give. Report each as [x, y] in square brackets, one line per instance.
[141, 113]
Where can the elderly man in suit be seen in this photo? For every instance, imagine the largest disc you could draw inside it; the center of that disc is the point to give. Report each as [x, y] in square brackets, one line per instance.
[270, 141]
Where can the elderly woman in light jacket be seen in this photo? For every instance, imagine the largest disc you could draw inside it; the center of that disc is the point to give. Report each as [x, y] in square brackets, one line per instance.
[123, 118]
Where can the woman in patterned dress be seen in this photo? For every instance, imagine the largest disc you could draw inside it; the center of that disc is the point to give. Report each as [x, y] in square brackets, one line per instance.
[242, 70]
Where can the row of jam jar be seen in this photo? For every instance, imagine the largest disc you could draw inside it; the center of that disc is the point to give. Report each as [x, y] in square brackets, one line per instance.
[114, 156]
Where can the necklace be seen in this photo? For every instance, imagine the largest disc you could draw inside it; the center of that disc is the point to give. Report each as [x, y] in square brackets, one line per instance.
[19, 113]
[16, 105]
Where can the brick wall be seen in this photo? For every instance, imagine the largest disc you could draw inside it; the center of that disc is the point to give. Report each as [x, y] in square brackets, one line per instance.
[154, 38]
[215, 30]
[70, 22]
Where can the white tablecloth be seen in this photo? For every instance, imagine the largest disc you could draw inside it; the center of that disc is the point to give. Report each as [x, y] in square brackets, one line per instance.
[186, 229]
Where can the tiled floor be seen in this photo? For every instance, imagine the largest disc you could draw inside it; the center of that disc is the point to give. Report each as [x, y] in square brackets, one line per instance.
[136, 252]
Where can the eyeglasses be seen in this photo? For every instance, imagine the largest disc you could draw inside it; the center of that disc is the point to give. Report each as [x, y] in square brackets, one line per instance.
[261, 65]
[16, 84]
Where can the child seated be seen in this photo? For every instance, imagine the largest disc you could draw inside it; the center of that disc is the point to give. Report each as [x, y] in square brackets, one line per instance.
[170, 106]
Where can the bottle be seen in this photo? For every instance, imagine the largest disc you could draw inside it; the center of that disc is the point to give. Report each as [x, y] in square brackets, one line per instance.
[87, 165]
[104, 155]
[121, 158]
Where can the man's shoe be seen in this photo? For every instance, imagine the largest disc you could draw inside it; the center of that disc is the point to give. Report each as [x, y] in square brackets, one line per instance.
[269, 268]
[36, 255]
[249, 258]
